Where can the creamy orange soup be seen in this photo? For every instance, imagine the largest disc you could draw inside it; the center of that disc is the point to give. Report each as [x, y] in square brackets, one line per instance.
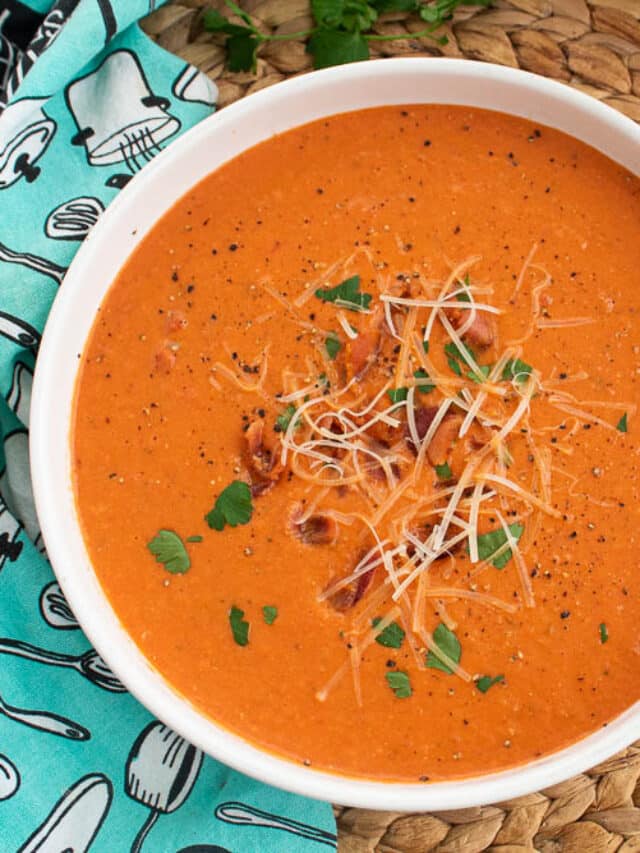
[355, 443]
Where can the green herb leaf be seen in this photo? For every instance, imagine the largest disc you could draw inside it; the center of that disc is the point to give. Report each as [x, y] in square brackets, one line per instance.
[239, 626]
[448, 643]
[395, 5]
[464, 296]
[194, 538]
[455, 356]
[516, 369]
[391, 637]
[604, 633]
[328, 13]
[284, 419]
[485, 370]
[399, 682]
[425, 347]
[335, 47]
[489, 543]
[215, 22]
[621, 426]
[269, 614]
[168, 548]
[241, 52]
[443, 471]
[332, 345]
[397, 395]
[486, 682]
[346, 294]
[233, 507]
[423, 387]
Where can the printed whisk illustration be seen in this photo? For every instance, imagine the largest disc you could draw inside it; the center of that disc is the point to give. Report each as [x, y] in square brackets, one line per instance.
[25, 134]
[133, 120]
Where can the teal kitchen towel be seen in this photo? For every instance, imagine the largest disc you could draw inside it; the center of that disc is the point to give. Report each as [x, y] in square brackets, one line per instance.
[85, 101]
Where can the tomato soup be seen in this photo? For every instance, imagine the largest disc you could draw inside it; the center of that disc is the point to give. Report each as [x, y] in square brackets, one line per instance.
[356, 450]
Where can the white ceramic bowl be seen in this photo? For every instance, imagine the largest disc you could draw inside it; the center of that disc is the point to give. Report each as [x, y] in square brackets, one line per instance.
[124, 225]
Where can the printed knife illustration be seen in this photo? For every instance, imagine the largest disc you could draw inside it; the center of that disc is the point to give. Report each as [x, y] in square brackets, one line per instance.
[45, 721]
[33, 262]
[241, 814]
[89, 664]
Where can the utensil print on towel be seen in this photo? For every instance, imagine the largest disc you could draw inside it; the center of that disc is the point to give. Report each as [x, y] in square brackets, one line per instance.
[19, 396]
[89, 664]
[132, 122]
[76, 818]
[25, 134]
[73, 219]
[162, 769]
[19, 331]
[54, 608]
[244, 815]
[33, 262]
[15, 484]
[45, 721]
[204, 848]
[9, 778]
[10, 546]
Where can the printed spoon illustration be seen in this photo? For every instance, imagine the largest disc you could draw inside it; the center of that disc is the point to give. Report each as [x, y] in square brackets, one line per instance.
[241, 814]
[9, 778]
[76, 818]
[54, 608]
[33, 262]
[45, 721]
[89, 664]
[161, 771]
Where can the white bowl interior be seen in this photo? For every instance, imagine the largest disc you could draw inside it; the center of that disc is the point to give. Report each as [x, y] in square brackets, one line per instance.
[129, 218]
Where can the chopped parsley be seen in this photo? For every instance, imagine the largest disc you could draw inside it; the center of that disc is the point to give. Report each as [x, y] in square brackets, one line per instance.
[194, 538]
[346, 294]
[465, 296]
[485, 370]
[269, 614]
[332, 345]
[485, 682]
[604, 633]
[449, 644]
[443, 471]
[455, 357]
[284, 419]
[168, 548]
[239, 626]
[425, 347]
[399, 682]
[397, 395]
[621, 426]
[233, 507]
[489, 543]
[391, 637]
[516, 369]
[426, 386]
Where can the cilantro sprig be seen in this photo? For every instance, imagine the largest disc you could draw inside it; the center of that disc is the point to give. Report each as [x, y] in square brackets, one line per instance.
[239, 626]
[449, 644]
[346, 294]
[486, 682]
[399, 682]
[233, 507]
[489, 543]
[391, 637]
[342, 31]
[169, 549]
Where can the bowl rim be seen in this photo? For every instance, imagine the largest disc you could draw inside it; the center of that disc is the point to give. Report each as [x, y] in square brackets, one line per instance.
[61, 530]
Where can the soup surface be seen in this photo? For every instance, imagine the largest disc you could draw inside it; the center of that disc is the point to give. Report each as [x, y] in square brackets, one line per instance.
[381, 367]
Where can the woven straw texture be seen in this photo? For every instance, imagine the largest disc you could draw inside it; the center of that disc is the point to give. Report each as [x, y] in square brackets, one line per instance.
[593, 46]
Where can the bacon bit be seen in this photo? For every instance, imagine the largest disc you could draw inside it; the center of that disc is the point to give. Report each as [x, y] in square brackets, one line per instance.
[443, 440]
[480, 334]
[424, 416]
[361, 352]
[164, 360]
[264, 465]
[347, 597]
[317, 529]
[176, 320]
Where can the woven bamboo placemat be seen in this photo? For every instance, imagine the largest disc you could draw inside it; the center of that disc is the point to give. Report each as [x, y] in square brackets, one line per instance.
[593, 46]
